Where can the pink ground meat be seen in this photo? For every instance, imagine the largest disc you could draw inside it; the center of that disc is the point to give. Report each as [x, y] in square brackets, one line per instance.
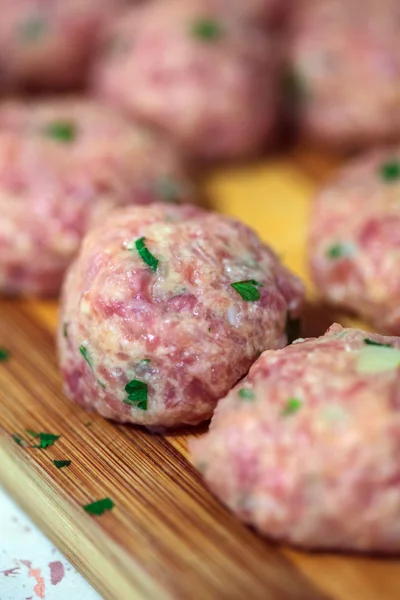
[306, 448]
[176, 331]
[50, 43]
[64, 163]
[345, 61]
[355, 239]
[201, 74]
[258, 11]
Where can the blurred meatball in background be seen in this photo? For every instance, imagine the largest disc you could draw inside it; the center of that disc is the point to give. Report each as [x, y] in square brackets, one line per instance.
[197, 72]
[355, 239]
[63, 165]
[50, 43]
[344, 61]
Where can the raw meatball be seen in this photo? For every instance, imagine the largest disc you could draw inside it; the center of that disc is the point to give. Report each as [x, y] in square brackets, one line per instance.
[355, 239]
[207, 79]
[345, 62]
[306, 448]
[50, 43]
[64, 163]
[152, 330]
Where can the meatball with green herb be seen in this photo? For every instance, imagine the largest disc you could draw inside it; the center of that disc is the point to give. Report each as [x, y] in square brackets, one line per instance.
[355, 239]
[50, 44]
[306, 448]
[165, 309]
[63, 164]
[196, 71]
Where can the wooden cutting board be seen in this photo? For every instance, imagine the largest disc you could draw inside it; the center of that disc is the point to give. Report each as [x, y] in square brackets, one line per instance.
[167, 537]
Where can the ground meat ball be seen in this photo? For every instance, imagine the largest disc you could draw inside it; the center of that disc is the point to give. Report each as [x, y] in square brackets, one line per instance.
[177, 330]
[306, 448]
[62, 164]
[206, 78]
[50, 43]
[345, 62]
[355, 239]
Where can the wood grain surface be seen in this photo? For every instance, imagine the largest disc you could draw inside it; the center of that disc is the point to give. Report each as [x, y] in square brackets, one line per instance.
[167, 537]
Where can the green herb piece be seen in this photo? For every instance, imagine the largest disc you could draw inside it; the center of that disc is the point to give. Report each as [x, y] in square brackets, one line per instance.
[377, 359]
[18, 440]
[4, 355]
[100, 507]
[390, 171]
[32, 29]
[137, 394]
[60, 464]
[46, 440]
[207, 30]
[168, 189]
[84, 353]
[101, 384]
[116, 46]
[247, 289]
[291, 407]
[246, 394]
[62, 131]
[293, 87]
[65, 330]
[145, 361]
[145, 254]
[337, 251]
[32, 433]
[370, 342]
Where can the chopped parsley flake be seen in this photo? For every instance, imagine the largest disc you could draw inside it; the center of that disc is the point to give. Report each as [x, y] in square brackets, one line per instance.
[62, 131]
[45, 439]
[291, 407]
[65, 330]
[18, 440]
[137, 394]
[390, 171]
[370, 342]
[4, 355]
[293, 87]
[32, 433]
[248, 289]
[32, 29]
[145, 254]
[116, 45]
[99, 507]
[84, 353]
[246, 394]
[145, 361]
[377, 359]
[206, 29]
[168, 189]
[102, 384]
[60, 464]
[338, 251]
